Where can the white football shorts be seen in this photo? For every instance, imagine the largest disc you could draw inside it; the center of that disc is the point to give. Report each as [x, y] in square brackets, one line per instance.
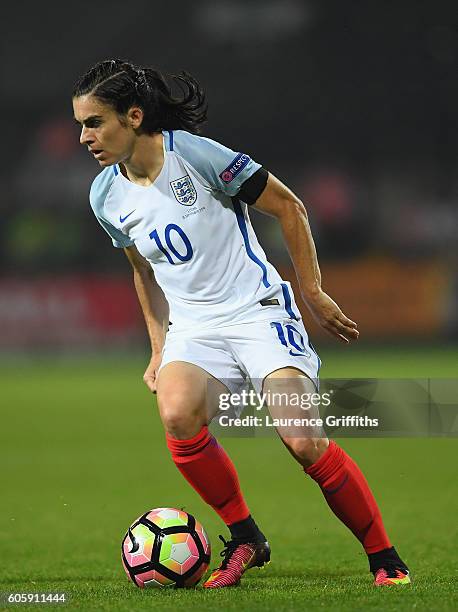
[245, 352]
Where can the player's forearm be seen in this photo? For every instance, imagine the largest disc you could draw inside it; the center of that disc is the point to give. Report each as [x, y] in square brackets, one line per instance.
[301, 247]
[154, 306]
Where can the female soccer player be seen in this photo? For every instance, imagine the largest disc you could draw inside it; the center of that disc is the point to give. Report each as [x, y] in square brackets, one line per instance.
[177, 204]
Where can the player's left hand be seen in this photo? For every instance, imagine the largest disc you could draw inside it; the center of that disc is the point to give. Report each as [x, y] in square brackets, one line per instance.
[329, 316]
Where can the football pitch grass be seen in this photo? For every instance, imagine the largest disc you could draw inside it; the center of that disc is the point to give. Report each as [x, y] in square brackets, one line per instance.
[83, 454]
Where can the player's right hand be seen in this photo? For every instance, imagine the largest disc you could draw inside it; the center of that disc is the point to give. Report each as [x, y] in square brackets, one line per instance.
[150, 375]
[328, 314]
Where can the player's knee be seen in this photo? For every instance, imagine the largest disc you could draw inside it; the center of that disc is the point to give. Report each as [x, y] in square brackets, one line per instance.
[180, 427]
[180, 418]
[306, 451]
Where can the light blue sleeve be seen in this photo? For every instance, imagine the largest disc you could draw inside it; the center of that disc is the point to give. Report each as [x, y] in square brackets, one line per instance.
[225, 169]
[97, 196]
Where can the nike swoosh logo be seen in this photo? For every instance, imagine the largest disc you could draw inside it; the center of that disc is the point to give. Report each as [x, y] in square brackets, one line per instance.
[135, 544]
[122, 219]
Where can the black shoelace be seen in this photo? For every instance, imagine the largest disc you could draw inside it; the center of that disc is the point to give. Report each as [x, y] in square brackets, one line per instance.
[228, 550]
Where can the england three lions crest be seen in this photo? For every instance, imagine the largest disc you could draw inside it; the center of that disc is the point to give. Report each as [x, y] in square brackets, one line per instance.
[184, 191]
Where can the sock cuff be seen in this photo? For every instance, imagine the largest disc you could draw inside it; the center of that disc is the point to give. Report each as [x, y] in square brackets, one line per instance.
[386, 557]
[246, 530]
[185, 448]
[331, 460]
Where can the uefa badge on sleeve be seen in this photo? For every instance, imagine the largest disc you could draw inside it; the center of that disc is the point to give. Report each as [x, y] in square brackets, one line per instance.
[184, 190]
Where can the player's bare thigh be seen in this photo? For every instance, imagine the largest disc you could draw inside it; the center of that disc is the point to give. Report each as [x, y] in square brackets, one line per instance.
[188, 398]
[305, 442]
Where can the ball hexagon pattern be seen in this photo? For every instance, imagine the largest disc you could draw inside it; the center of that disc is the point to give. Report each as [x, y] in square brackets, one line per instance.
[152, 578]
[179, 552]
[168, 517]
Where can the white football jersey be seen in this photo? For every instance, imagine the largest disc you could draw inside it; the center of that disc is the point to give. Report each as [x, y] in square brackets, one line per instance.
[196, 233]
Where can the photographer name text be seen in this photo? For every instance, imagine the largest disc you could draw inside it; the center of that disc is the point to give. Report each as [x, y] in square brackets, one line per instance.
[268, 421]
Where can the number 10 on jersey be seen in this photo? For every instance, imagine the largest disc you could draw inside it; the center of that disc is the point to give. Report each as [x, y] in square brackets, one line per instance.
[168, 241]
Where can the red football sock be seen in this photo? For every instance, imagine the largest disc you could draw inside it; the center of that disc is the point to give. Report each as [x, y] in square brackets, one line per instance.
[208, 469]
[349, 497]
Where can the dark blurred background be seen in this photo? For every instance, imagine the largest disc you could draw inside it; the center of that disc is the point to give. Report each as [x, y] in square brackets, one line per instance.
[352, 104]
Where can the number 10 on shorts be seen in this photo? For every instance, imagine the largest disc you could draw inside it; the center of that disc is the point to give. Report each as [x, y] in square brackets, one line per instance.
[289, 336]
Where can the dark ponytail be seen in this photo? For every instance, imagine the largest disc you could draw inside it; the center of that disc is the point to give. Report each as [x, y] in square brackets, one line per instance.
[122, 85]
